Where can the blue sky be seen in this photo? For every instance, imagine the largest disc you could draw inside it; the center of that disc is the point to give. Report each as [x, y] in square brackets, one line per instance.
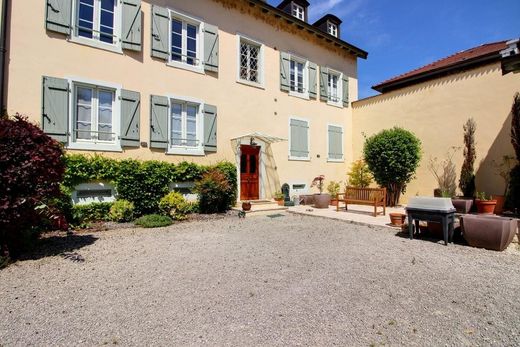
[401, 35]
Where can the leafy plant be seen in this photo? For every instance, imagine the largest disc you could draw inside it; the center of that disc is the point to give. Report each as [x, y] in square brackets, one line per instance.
[318, 182]
[216, 193]
[333, 189]
[174, 205]
[279, 195]
[31, 165]
[154, 221]
[467, 174]
[122, 211]
[482, 196]
[446, 175]
[513, 196]
[392, 156]
[359, 175]
[93, 212]
[503, 169]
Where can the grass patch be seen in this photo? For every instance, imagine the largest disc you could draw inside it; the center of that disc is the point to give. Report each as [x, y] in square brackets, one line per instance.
[154, 221]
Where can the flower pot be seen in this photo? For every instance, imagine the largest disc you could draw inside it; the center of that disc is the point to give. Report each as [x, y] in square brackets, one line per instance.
[321, 200]
[490, 232]
[499, 208]
[333, 202]
[280, 201]
[307, 199]
[486, 206]
[436, 230]
[246, 206]
[462, 205]
[397, 219]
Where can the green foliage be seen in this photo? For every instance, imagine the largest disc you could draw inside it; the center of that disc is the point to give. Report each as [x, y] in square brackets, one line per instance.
[359, 175]
[392, 156]
[94, 212]
[174, 205]
[279, 195]
[513, 193]
[333, 189]
[154, 221]
[482, 196]
[216, 192]
[230, 172]
[467, 173]
[122, 211]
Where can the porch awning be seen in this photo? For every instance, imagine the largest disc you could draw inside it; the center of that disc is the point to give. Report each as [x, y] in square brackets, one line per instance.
[268, 139]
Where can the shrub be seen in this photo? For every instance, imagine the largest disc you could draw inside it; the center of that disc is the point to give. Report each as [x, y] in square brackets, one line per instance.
[467, 173]
[122, 211]
[216, 193]
[513, 194]
[174, 205]
[445, 174]
[94, 212]
[318, 182]
[154, 221]
[32, 167]
[359, 175]
[393, 156]
[333, 189]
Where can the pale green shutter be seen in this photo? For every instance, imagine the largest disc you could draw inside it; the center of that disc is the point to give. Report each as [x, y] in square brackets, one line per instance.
[210, 128]
[58, 16]
[131, 28]
[312, 80]
[285, 70]
[160, 32]
[210, 47]
[335, 143]
[345, 91]
[324, 83]
[55, 110]
[299, 146]
[159, 121]
[130, 118]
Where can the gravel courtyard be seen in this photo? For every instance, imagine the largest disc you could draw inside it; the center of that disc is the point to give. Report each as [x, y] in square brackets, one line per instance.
[292, 280]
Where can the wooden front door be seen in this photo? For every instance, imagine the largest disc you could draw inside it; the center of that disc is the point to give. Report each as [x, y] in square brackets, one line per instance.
[249, 169]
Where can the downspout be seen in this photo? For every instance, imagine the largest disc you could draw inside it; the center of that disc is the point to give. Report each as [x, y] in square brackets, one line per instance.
[3, 50]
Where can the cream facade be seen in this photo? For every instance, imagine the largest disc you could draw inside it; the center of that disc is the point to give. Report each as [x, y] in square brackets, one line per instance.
[436, 110]
[137, 83]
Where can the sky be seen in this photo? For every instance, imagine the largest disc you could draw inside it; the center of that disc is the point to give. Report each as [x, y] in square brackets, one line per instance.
[402, 35]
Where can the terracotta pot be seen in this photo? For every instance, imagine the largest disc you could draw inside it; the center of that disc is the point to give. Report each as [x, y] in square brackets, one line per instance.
[280, 201]
[333, 202]
[462, 205]
[321, 200]
[246, 206]
[486, 206]
[397, 219]
[499, 208]
[490, 232]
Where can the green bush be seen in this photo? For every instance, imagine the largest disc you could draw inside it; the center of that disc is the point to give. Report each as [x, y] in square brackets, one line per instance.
[174, 205]
[393, 156]
[359, 175]
[122, 211]
[154, 221]
[94, 212]
[513, 193]
[467, 173]
[216, 193]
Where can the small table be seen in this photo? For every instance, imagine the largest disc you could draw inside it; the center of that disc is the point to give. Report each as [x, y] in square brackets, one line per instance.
[445, 217]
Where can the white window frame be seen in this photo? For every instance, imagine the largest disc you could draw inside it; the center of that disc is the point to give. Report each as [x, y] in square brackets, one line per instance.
[187, 19]
[331, 160]
[114, 47]
[298, 11]
[339, 102]
[187, 150]
[332, 29]
[293, 158]
[305, 62]
[261, 81]
[93, 187]
[116, 116]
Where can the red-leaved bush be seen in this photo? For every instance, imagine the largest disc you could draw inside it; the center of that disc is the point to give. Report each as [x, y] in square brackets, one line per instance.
[31, 169]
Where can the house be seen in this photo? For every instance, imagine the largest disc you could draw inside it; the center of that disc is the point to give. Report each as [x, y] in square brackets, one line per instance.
[434, 101]
[202, 81]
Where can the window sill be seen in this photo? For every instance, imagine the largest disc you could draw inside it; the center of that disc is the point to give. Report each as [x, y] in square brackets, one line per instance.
[304, 96]
[96, 44]
[338, 104]
[102, 147]
[291, 158]
[335, 160]
[194, 68]
[251, 84]
[185, 151]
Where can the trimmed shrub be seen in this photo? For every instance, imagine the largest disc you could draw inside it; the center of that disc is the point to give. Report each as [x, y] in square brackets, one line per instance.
[122, 211]
[513, 193]
[359, 175]
[32, 167]
[174, 205]
[154, 221]
[393, 156]
[467, 173]
[94, 212]
[216, 193]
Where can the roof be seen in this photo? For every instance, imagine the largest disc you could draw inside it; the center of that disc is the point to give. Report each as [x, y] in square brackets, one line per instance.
[284, 3]
[469, 58]
[329, 17]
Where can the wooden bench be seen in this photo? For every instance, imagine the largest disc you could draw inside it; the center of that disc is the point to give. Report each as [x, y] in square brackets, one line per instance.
[364, 196]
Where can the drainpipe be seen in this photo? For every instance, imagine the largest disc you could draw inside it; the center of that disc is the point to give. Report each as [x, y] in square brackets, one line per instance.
[3, 52]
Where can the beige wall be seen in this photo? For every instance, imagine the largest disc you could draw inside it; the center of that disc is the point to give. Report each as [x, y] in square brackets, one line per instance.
[436, 111]
[34, 52]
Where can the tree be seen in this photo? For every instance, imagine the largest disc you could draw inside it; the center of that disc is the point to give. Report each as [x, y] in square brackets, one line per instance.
[393, 156]
[513, 197]
[359, 175]
[467, 173]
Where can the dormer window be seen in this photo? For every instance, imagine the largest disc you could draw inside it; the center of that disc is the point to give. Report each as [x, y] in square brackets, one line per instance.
[332, 29]
[298, 11]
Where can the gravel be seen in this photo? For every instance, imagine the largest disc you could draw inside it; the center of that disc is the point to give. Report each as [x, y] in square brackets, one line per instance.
[292, 280]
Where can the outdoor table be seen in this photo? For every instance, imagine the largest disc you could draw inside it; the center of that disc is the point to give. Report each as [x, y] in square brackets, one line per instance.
[438, 210]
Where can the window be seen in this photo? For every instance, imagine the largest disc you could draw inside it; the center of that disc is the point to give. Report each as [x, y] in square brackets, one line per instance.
[87, 193]
[335, 143]
[298, 139]
[298, 11]
[97, 21]
[298, 77]
[332, 29]
[185, 48]
[334, 88]
[94, 114]
[250, 59]
[185, 127]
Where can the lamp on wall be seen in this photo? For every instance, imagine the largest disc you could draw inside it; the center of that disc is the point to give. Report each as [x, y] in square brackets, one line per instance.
[252, 142]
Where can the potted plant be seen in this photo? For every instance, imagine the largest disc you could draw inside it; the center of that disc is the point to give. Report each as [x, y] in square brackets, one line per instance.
[279, 197]
[490, 232]
[485, 205]
[320, 200]
[467, 173]
[503, 169]
[333, 190]
[397, 219]
[246, 205]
